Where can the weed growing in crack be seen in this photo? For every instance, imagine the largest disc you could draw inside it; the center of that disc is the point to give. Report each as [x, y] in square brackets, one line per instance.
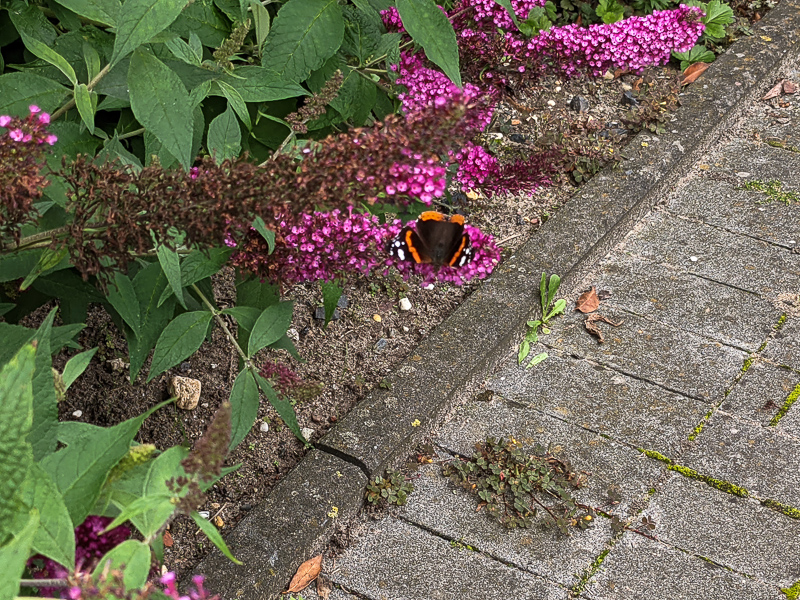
[773, 190]
[514, 486]
[547, 292]
[391, 489]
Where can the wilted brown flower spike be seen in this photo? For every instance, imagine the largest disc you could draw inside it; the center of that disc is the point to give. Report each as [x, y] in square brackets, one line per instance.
[208, 455]
[315, 107]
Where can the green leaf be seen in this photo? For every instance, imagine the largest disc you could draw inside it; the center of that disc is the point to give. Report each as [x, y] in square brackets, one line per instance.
[214, 535]
[180, 339]
[261, 84]
[282, 406]
[149, 284]
[49, 259]
[5, 307]
[27, 21]
[138, 21]
[102, 11]
[718, 16]
[171, 264]
[92, 60]
[86, 102]
[80, 469]
[244, 399]
[236, 102]
[160, 103]
[543, 294]
[555, 282]
[260, 22]
[270, 326]
[537, 359]
[540, 18]
[200, 264]
[362, 32]
[16, 418]
[695, 55]
[55, 536]
[77, 365]
[253, 292]
[139, 506]
[285, 343]
[182, 51]
[203, 19]
[19, 90]
[430, 28]
[524, 350]
[331, 292]
[304, 34]
[134, 556]
[14, 555]
[43, 436]
[122, 296]
[113, 150]
[224, 136]
[268, 235]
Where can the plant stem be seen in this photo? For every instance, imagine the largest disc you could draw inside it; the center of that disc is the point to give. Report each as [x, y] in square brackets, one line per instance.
[130, 134]
[103, 72]
[247, 362]
[30, 240]
[43, 583]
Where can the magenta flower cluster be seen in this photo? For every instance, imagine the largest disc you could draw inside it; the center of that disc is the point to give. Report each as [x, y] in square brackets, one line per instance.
[31, 129]
[91, 544]
[633, 43]
[198, 592]
[489, 14]
[425, 179]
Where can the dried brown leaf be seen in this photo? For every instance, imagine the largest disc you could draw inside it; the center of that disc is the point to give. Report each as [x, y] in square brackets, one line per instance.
[593, 328]
[774, 91]
[692, 72]
[306, 573]
[323, 587]
[168, 541]
[789, 87]
[588, 301]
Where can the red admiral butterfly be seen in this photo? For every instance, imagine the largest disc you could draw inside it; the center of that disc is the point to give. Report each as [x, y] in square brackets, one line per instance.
[436, 239]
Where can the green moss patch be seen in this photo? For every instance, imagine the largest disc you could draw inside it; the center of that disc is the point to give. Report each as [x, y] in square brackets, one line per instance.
[787, 404]
[792, 593]
[789, 511]
[773, 189]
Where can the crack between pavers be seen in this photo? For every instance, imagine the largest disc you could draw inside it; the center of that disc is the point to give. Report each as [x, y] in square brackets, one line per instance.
[345, 457]
[478, 550]
[701, 221]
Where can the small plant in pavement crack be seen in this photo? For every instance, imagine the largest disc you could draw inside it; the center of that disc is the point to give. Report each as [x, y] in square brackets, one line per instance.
[391, 489]
[514, 486]
[547, 292]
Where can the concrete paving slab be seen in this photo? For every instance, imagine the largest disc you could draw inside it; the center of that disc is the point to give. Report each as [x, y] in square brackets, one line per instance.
[761, 392]
[638, 568]
[719, 255]
[737, 533]
[609, 463]
[603, 400]
[394, 560]
[760, 459]
[784, 348]
[722, 204]
[751, 160]
[790, 423]
[439, 506]
[310, 593]
[687, 302]
[678, 360]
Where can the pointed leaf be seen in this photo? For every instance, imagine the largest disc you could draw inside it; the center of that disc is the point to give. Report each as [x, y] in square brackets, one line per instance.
[213, 535]
[86, 102]
[224, 136]
[49, 259]
[102, 11]
[331, 292]
[262, 84]
[427, 24]
[77, 365]
[160, 103]
[43, 436]
[14, 556]
[268, 235]
[282, 406]
[555, 282]
[245, 399]
[38, 35]
[138, 21]
[134, 556]
[171, 264]
[19, 90]
[306, 573]
[304, 34]
[260, 22]
[588, 301]
[270, 326]
[180, 339]
[122, 296]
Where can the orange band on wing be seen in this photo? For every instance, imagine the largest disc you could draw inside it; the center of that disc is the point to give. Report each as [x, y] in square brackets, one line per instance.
[456, 256]
[457, 219]
[410, 245]
[432, 215]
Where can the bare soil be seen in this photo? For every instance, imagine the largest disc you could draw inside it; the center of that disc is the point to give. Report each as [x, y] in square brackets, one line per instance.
[356, 352]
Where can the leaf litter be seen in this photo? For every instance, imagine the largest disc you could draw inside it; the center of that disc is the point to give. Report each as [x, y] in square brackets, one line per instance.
[592, 326]
[306, 573]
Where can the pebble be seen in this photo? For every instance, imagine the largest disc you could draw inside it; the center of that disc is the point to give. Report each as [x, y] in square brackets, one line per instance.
[343, 302]
[319, 314]
[517, 138]
[77, 414]
[693, 258]
[579, 104]
[307, 433]
[204, 513]
[293, 334]
[377, 318]
[246, 506]
[405, 329]
[316, 418]
[185, 367]
[264, 427]
[551, 103]
[381, 344]
[204, 405]
[186, 390]
[430, 286]
[743, 174]
[405, 304]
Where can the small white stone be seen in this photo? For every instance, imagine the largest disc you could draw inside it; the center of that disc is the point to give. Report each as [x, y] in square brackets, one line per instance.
[693, 258]
[77, 414]
[551, 103]
[293, 335]
[264, 427]
[743, 174]
[558, 88]
[430, 286]
[405, 329]
[405, 304]
[307, 432]
[792, 241]
[204, 513]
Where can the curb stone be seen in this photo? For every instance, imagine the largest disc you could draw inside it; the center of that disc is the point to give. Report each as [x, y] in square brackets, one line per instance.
[292, 524]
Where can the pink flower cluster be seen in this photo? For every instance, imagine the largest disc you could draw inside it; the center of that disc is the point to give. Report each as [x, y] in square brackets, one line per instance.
[91, 544]
[325, 246]
[475, 166]
[425, 179]
[31, 129]
[169, 580]
[633, 43]
[489, 14]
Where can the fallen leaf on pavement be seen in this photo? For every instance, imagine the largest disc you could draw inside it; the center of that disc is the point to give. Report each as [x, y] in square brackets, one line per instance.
[594, 329]
[323, 587]
[774, 91]
[588, 301]
[789, 87]
[692, 72]
[306, 573]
